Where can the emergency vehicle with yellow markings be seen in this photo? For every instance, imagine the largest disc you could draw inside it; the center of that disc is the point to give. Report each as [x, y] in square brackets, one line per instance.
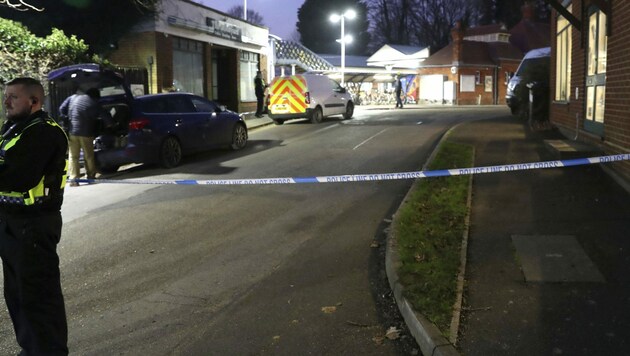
[307, 95]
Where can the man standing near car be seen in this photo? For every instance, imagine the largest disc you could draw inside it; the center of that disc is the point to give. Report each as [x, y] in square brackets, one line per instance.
[83, 112]
[33, 163]
[259, 88]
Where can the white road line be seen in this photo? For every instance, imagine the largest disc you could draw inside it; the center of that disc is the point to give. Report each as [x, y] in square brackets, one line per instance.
[312, 133]
[365, 141]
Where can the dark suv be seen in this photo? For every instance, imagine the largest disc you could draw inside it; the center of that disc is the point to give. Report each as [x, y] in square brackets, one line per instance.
[158, 128]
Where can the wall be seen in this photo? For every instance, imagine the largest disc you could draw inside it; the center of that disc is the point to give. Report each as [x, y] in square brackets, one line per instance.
[617, 119]
[134, 50]
[569, 115]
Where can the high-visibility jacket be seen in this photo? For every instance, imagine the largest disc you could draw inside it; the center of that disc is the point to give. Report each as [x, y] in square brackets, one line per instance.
[39, 192]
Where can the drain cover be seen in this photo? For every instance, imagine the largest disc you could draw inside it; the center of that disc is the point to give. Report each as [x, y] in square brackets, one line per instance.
[554, 258]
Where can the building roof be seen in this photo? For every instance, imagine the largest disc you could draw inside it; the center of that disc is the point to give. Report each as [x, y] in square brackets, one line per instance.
[485, 30]
[406, 50]
[351, 61]
[475, 53]
[398, 56]
[289, 52]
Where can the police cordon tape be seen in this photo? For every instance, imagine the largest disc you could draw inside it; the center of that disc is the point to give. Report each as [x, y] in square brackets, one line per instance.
[372, 177]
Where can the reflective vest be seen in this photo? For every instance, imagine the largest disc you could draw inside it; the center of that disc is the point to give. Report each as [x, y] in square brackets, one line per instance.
[38, 193]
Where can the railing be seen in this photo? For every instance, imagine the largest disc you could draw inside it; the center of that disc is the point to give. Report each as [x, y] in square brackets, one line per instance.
[292, 53]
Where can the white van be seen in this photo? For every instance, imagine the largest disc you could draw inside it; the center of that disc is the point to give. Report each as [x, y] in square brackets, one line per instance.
[311, 96]
[535, 66]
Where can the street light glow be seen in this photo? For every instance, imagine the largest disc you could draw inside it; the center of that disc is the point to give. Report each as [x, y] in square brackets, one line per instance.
[349, 14]
[346, 39]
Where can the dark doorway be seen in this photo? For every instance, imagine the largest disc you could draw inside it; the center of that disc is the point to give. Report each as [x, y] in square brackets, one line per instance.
[224, 78]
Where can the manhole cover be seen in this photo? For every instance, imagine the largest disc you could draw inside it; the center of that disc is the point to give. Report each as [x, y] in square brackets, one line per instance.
[554, 258]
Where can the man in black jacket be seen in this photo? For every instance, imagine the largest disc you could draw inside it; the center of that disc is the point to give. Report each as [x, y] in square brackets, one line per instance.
[84, 112]
[33, 151]
[259, 89]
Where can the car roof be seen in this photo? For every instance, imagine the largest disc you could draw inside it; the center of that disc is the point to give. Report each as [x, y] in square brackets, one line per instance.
[538, 52]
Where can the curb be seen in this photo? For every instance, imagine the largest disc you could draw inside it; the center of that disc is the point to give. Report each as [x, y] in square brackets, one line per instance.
[426, 334]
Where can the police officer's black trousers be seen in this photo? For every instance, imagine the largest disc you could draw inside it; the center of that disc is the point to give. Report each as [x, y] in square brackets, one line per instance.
[32, 287]
[260, 99]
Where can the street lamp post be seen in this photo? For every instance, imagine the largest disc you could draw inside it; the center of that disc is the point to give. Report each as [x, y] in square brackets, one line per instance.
[349, 14]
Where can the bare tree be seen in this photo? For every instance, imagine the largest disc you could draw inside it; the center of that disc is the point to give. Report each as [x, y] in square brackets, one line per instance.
[391, 21]
[416, 22]
[24, 5]
[252, 16]
[433, 20]
[20, 5]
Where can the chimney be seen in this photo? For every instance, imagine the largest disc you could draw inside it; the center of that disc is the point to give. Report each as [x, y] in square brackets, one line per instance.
[527, 11]
[458, 38]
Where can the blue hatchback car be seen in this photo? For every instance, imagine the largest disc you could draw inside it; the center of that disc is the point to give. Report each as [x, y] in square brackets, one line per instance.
[157, 128]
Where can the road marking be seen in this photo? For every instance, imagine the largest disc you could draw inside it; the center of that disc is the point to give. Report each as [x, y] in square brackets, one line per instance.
[368, 139]
[310, 134]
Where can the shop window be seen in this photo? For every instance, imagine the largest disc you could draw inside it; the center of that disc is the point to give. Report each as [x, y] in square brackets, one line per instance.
[563, 58]
[596, 71]
[248, 68]
[188, 66]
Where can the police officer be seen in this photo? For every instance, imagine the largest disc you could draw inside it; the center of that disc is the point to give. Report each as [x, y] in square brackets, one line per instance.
[33, 165]
[259, 89]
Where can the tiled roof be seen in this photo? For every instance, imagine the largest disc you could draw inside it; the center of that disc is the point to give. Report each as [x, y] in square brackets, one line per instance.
[486, 30]
[502, 51]
[475, 53]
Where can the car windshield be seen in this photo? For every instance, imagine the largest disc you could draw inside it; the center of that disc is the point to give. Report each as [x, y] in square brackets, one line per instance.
[533, 65]
[113, 90]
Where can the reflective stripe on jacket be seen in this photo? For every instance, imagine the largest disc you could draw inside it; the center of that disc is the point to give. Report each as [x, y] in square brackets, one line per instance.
[38, 193]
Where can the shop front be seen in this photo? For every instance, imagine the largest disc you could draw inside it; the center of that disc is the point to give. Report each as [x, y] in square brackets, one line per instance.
[188, 47]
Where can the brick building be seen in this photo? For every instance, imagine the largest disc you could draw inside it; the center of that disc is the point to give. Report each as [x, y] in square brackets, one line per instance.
[188, 47]
[476, 66]
[590, 72]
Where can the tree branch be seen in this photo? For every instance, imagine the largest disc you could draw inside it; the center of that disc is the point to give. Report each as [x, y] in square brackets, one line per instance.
[20, 5]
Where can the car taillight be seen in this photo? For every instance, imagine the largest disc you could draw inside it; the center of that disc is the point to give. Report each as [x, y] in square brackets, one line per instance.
[138, 124]
[307, 97]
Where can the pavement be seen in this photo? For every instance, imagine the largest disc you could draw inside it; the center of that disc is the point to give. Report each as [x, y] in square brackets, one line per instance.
[548, 253]
[253, 122]
[547, 268]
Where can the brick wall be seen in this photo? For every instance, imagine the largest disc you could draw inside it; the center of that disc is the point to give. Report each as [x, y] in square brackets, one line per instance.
[472, 98]
[617, 114]
[570, 115]
[134, 50]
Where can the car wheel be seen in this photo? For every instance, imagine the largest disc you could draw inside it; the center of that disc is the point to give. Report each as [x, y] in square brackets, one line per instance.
[278, 121]
[170, 152]
[239, 137]
[349, 111]
[317, 116]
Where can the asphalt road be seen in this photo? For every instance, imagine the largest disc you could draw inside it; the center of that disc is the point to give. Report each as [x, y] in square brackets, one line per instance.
[260, 269]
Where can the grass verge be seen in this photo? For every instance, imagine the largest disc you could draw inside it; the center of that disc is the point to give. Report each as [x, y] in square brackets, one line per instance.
[429, 230]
